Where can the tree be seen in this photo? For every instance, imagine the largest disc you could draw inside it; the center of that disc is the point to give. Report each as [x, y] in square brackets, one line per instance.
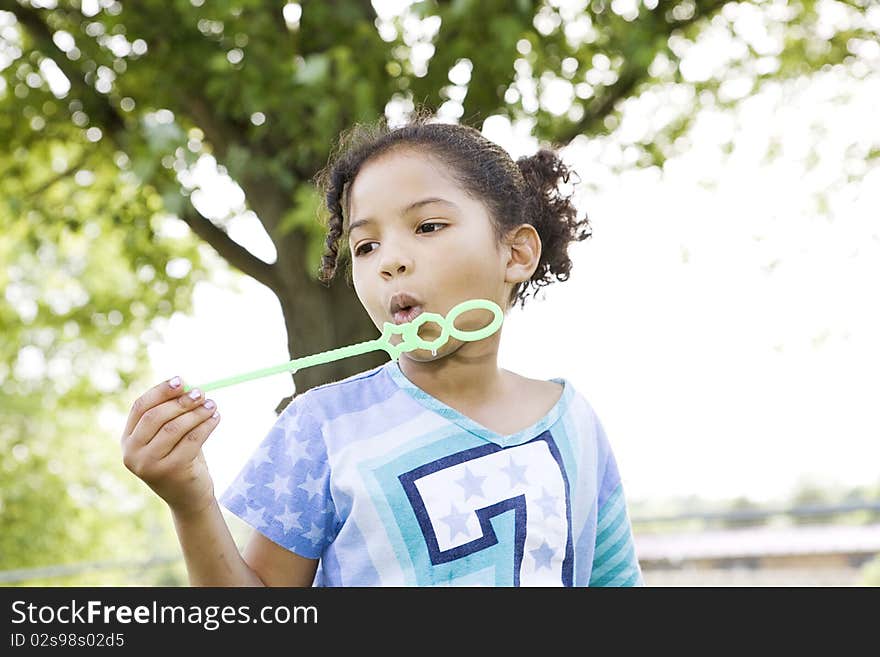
[155, 85]
[106, 107]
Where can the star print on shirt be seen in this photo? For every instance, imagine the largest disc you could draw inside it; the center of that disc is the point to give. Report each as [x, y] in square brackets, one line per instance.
[517, 473]
[280, 486]
[473, 485]
[547, 503]
[296, 451]
[542, 556]
[313, 486]
[314, 534]
[288, 519]
[457, 522]
[261, 455]
[329, 507]
[253, 517]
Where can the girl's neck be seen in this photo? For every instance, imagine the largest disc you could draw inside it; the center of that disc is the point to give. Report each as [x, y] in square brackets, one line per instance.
[465, 377]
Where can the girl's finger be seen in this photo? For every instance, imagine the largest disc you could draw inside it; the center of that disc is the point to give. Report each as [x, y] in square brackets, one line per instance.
[156, 395]
[187, 448]
[176, 430]
[152, 421]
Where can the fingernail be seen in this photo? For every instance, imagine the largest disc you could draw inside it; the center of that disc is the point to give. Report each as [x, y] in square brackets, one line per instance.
[195, 393]
[175, 382]
[209, 404]
[216, 414]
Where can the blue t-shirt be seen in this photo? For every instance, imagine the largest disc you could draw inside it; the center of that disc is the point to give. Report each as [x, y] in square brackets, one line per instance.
[389, 486]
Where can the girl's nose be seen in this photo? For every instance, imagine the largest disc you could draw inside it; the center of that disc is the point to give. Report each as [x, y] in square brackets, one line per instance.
[394, 261]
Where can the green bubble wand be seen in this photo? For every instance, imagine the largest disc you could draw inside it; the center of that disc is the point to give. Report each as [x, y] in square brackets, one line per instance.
[411, 340]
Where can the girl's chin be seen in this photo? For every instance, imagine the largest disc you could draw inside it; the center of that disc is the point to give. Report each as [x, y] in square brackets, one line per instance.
[423, 355]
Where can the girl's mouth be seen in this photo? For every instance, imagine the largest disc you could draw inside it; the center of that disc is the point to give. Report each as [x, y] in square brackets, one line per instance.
[407, 314]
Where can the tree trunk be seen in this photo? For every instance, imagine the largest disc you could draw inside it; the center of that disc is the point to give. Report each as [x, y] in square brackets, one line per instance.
[319, 319]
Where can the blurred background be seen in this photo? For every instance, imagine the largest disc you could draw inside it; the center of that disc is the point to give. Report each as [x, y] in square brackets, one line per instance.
[158, 218]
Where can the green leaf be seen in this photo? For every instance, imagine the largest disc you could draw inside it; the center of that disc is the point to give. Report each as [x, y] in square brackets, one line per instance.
[313, 70]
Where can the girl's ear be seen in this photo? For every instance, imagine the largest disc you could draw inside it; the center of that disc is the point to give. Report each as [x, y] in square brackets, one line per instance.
[524, 246]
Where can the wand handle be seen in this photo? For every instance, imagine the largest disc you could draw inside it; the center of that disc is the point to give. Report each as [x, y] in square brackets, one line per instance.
[410, 340]
[292, 366]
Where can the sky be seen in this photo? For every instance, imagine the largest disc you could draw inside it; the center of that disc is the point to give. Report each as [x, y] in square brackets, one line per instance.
[721, 326]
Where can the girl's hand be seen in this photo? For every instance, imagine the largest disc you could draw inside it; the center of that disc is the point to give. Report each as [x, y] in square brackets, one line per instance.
[162, 444]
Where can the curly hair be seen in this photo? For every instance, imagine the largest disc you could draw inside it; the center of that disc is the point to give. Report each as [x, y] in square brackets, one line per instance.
[514, 193]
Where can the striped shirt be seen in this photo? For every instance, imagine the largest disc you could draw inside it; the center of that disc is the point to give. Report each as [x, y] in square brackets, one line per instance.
[389, 486]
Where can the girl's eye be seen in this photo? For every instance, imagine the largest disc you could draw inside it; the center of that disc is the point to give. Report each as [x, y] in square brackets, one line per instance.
[431, 223]
[359, 250]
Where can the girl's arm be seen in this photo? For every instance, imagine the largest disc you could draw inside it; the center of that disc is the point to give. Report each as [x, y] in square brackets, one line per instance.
[212, 557]
[278, 566]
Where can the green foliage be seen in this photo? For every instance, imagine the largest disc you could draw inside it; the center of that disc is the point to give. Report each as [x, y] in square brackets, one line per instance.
[66, 498]
[92, 180]
[88, 268]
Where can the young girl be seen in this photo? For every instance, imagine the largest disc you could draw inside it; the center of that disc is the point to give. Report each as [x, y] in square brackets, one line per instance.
[436, 469]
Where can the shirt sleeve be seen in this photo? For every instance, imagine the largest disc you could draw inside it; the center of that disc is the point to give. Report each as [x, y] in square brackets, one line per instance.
[283, 491]
[615, 562]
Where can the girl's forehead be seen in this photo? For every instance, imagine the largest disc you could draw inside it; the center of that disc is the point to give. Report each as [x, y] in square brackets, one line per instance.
[398, 167]
[400, 181]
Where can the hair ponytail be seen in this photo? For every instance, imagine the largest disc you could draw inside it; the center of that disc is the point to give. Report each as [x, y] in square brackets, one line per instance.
[553, 216]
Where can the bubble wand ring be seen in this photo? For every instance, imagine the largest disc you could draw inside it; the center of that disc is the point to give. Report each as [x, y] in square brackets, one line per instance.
[410, 340]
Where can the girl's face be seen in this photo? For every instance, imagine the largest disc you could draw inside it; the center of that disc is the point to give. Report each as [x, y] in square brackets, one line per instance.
[441, 253]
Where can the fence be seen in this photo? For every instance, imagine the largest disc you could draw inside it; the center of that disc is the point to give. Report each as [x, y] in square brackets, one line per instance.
[655, 551]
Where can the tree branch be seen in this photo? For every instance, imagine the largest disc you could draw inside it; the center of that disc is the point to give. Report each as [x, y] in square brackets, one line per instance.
[217, 134]
[235, 254]
[632, 75]
[114, 127]
[31, 20]
[39, 191]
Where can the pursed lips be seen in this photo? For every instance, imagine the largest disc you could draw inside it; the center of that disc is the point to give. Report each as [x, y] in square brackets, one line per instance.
[407, 314]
